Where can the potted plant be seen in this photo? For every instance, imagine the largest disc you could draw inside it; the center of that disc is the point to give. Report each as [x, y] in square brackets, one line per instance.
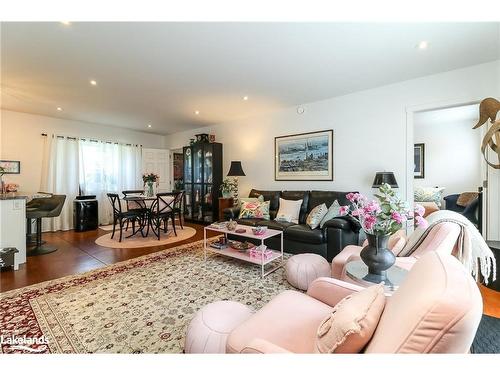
[379, 219]
[149, 179]
[228, 187]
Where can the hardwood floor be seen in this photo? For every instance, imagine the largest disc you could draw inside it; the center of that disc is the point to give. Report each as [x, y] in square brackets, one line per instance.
[77, 253]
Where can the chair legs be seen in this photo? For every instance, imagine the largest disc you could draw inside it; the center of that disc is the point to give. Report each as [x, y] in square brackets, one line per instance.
[40, 247]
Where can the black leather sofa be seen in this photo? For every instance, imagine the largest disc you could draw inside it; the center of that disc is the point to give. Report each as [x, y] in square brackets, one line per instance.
[300, 238]
[470, 211]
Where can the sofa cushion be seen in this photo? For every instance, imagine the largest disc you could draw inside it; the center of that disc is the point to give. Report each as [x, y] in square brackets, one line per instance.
[303, 233]
[272, 196]
[295, 196]
[315, 217]
[249, 222]
[289, 210]
[273, 224]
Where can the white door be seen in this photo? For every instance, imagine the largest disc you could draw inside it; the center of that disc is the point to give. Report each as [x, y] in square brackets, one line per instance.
[157, 161]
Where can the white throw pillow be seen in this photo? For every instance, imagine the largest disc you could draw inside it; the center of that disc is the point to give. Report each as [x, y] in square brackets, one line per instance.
[290, 208]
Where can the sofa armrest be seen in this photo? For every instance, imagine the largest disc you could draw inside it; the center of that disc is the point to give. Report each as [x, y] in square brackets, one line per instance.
[231, 213]
[261, 346]
[331, 291]
[344, 222]
[339, 262]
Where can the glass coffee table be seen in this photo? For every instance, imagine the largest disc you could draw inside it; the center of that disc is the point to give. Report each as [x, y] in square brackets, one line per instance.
[357, 272]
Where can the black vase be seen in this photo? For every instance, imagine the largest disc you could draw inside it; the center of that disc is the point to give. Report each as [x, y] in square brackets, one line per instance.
[377, 256]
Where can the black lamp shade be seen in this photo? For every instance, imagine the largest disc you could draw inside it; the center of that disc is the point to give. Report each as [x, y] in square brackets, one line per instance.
[236, 169]
[384, 178]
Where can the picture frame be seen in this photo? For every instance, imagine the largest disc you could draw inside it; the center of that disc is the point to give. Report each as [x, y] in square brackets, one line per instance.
[419, 160]
[304, 156]
[11, 166]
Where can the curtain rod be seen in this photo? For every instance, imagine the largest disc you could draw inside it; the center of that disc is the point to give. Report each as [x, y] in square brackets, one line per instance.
[92, 140]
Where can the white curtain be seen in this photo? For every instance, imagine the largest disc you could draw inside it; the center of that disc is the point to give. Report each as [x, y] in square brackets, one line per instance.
[62, 177]
[108, 168]
[72, 166]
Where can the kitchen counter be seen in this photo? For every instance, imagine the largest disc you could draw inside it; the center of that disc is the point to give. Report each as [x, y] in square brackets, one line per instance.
[9, 196]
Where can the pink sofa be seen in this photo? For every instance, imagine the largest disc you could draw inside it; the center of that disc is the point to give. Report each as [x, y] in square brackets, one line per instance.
[441, 238]
[437, 309]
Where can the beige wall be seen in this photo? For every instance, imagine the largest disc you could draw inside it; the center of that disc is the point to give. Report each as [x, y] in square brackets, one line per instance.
[20, 139]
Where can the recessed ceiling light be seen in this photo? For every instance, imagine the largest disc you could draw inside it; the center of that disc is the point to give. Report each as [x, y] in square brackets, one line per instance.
[196, 112]
[149, 125]
[66, 23]
[423, 44]
[245, 98]
[59, 109]
[93, 82]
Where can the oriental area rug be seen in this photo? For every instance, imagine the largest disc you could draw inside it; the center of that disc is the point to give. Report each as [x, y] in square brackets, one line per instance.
[143, 305]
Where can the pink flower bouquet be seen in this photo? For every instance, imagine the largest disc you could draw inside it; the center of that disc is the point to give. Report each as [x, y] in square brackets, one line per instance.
[385, 216]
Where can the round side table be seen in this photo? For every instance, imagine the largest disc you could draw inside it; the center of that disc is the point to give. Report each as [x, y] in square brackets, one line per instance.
[357, 272]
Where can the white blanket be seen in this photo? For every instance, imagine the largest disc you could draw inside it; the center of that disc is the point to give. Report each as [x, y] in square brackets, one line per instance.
[473, 251]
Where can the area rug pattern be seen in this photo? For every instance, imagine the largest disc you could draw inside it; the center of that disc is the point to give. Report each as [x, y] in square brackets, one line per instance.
[138, 241]
[487, 340]
[143, 305]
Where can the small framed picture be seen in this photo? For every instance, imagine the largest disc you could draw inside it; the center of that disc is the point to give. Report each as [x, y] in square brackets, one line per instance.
[419, 161]
[10, 166]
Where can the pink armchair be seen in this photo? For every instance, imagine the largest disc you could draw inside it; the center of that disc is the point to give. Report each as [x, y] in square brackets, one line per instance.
[436, 310]
[442, 238]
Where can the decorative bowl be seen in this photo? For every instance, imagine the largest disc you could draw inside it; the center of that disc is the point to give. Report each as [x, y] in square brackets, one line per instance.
[259, 230]
[241, 246]
[231, 225]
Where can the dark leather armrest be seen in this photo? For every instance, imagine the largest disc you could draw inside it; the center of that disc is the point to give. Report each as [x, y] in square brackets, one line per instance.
[344, 222]
[231, 213]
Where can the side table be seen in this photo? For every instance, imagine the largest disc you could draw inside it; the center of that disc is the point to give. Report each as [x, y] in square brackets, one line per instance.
[357, 273]
[224, 203]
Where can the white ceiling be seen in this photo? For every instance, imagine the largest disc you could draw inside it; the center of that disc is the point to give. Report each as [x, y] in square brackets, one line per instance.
[160, 73]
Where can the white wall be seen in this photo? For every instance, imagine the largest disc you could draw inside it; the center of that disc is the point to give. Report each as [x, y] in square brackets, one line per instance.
[370, 132]
[452, 150]
[20, 139]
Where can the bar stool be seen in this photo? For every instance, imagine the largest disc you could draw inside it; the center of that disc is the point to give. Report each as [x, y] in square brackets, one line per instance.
[37, 209]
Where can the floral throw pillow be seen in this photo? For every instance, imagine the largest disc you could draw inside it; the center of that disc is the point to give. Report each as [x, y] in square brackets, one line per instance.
[316, 215]
[429, 194]
[255, 210]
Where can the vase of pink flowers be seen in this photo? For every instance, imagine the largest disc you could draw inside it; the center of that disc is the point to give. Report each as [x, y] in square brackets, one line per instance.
[150, 179]
[380, 219]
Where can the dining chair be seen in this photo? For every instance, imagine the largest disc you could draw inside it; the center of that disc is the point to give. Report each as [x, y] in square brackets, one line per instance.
[162, 209]
[121, 217]
[178, 206]
[138, 206]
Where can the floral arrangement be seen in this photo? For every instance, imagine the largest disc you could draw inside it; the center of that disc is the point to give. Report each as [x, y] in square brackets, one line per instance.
[11, 187]
[386, 216]
[229, 185]
[150, 178]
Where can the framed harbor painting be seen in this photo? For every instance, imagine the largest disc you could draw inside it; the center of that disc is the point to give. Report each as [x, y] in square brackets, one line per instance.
[306, 156]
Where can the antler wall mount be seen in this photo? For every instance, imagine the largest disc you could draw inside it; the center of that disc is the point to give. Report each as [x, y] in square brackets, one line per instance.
[488, 110]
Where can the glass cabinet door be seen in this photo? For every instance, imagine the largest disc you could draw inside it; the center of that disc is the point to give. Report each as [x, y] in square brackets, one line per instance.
[197, 164]
[208, 160]
[188, 171]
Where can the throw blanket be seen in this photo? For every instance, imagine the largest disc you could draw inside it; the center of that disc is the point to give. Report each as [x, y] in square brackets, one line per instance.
[473, 252]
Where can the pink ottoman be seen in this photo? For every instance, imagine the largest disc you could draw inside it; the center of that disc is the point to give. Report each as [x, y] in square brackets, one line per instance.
[303, 269]
[208, 331]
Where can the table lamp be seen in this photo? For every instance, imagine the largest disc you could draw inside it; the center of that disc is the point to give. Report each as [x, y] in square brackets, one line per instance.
[234, 171]
[384, 178]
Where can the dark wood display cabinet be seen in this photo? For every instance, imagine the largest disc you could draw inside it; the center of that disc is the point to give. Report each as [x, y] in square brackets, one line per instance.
[202, 180]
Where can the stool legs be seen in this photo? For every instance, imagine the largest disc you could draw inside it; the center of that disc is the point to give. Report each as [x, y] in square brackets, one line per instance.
[40, 247]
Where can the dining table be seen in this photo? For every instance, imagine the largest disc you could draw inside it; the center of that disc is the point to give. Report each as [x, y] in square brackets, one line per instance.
[145, 202]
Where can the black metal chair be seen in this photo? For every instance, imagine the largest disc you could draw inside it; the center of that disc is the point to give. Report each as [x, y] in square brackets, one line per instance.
[120, 217]
[163, 209]
[37, 209]
[179, 200]
[134, 206]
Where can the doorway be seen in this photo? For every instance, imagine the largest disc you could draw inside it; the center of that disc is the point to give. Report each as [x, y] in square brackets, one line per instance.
[177, 169]
[444, 156]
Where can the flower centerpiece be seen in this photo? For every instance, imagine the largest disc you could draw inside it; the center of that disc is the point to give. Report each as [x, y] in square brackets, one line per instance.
[2, 185]
[379, 219]
[149, 180]
[228, 187]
